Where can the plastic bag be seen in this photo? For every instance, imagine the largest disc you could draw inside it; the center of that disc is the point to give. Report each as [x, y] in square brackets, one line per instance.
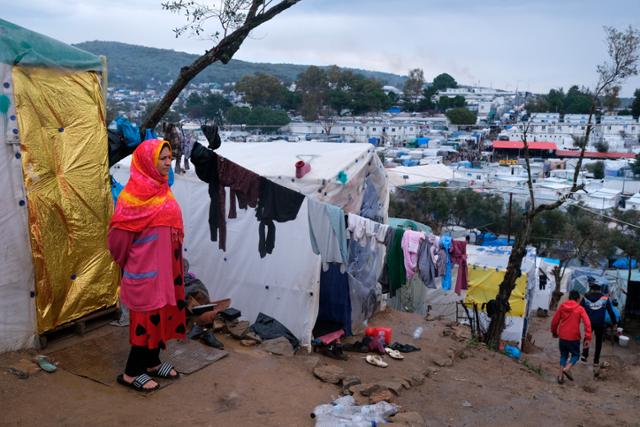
[129, 131]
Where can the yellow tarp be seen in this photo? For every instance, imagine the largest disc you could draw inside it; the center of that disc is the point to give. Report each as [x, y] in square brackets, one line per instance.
[64, 158]
[483, 287]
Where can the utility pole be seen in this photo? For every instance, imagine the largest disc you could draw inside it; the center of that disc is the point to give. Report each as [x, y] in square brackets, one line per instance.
[509, 226]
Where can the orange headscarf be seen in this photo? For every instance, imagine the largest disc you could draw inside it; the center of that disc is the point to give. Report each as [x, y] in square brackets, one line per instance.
[146, 201]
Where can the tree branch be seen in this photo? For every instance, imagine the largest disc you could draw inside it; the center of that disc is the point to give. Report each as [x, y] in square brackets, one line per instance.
[223, 52]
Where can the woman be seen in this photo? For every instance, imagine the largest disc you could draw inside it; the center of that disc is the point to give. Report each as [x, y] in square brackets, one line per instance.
[145, 239]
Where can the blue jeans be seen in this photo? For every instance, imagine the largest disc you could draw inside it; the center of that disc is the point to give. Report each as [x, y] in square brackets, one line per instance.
[569, 347]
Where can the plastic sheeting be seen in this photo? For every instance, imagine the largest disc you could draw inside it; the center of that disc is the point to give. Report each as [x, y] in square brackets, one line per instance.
[17, 307]
[276, 160]
[23, 47]
[63, 138]
[483, 287]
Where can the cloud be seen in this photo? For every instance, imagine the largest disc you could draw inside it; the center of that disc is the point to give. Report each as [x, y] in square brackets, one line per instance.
[532, 45]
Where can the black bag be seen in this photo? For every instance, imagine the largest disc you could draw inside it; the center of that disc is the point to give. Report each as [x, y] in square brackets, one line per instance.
[230, 314]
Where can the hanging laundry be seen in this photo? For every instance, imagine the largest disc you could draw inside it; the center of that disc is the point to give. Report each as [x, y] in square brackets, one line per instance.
[244, 186]
[410, 245]
[459, 256]
[362, 229]
[434, 250]
[328, 232]
[395, 262]
[426, 266]
[276, 203]
[206, 163]
[219, 173]
[445, 245]
[384, 274]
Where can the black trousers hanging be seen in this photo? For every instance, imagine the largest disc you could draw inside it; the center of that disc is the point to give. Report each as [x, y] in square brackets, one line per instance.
[141, 358]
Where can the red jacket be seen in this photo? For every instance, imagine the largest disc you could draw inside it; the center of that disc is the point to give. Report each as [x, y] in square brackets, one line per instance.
[566, 322]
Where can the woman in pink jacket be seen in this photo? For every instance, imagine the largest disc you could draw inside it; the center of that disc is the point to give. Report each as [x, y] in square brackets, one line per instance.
[145, 240]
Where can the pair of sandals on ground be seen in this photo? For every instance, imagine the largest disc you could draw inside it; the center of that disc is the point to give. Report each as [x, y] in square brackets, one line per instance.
[376, 360]
[144, 383]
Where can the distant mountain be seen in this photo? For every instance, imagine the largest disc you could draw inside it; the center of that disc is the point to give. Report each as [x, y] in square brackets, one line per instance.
[135, 66]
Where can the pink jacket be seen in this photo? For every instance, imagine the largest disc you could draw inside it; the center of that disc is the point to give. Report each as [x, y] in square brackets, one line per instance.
[145, 260]
[410, 244]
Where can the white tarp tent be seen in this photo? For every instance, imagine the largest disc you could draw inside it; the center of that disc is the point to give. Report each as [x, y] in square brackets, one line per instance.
[417, 175]
[17, 307]
[284, 284]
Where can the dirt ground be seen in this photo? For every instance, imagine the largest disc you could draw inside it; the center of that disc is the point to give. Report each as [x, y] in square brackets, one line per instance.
[253, 388]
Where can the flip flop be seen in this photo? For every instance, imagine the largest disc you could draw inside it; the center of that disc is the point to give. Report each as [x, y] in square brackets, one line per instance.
[164, 371]
[376, 361]
[138, 383]
[45, 364]
[394, 354]
[560, 380]
[568, 375]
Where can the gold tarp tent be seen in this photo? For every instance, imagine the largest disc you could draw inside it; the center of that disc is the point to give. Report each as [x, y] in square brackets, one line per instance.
[484, 285]
[63, 140]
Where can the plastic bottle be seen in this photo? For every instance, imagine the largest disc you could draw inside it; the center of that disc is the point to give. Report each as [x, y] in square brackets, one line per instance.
[418, 332]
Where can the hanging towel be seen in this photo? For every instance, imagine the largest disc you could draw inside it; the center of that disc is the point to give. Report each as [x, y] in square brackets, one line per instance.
[445, 245]
[395, 262]
[426, 266]
[276, 203]
[459, 256]
[410, 245]
[328, 232]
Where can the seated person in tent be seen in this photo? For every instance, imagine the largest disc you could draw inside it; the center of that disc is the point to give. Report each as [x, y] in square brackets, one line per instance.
[145, 240]
[566, 326]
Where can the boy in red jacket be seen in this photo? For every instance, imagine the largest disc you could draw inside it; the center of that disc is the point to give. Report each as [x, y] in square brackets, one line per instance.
[566, 326]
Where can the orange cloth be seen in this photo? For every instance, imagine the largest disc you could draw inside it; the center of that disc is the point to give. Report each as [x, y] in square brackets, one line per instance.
[147, 201]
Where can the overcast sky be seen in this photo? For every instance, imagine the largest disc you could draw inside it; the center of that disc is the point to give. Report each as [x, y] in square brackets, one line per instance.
[528, 44]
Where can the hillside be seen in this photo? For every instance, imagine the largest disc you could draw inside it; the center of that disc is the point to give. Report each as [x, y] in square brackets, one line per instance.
[135, 66]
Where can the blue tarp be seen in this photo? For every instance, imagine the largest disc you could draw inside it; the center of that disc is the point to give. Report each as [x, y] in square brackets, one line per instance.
[422, 141]
[410, 162]
[623, 263]
[394, 110]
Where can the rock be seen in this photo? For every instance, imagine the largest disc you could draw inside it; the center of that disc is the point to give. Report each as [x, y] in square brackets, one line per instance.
[218, 325]
[409, 419]
[365, 389]
[444, 362]
[430, 371]
[237, 329]
[415, 379]
[248, 343]
[381, 395]
[250, 335]
[394, 386]
[329, 373]
[349, 381]
[589, 388]
[279, 346]
[467, 404]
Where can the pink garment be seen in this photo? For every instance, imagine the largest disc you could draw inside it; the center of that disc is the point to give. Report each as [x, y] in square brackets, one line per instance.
[145, 260]
[459, 256]
[410, 244]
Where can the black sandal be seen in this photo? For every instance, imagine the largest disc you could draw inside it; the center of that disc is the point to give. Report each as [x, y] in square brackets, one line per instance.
[560, 380]
[568, 375]
[164, 371]
[138, 383]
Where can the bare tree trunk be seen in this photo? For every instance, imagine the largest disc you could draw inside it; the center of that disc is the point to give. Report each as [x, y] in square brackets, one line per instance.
[556, 294]
[518, 252]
